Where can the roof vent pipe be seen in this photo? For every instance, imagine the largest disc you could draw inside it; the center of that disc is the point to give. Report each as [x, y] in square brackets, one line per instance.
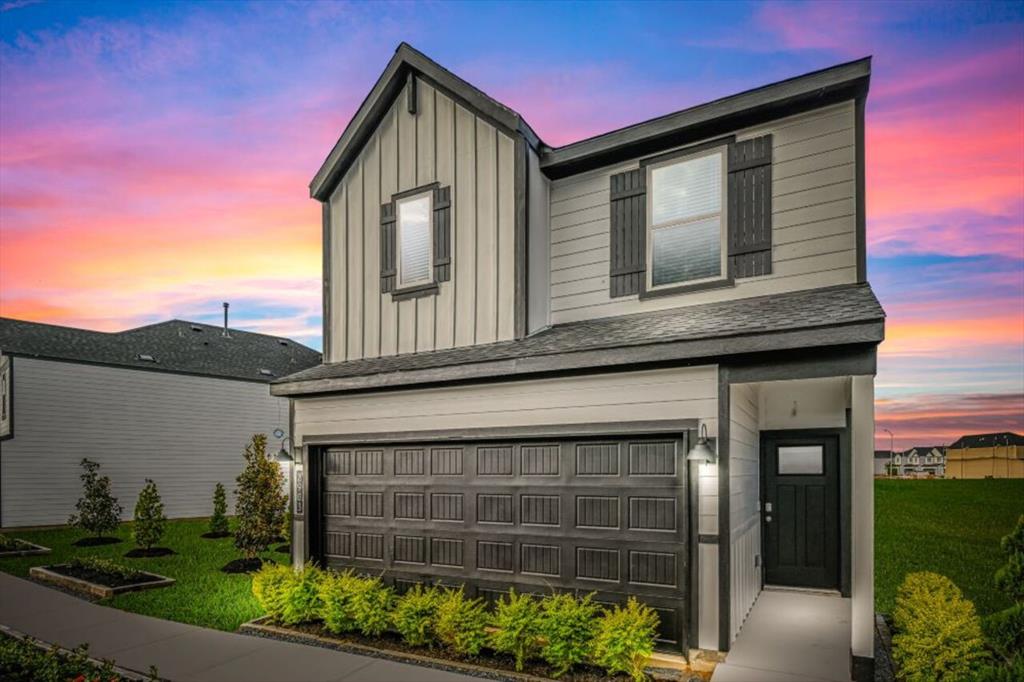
[226, 334]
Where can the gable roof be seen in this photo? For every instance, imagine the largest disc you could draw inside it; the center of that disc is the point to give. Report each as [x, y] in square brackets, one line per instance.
[814, 89]
[816, 317]
[174, 346]
[925, 449]
[987, 440]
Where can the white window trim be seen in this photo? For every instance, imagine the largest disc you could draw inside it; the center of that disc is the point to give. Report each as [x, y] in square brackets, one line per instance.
[723, 216]
[400, 285]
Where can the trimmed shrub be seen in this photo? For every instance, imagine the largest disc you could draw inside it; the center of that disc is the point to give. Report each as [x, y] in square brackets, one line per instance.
[336, 596]
[938, 632]
[219, 520]
[372, 605]
[568, 625]
[1005, 632]
[259, 500]
[97, 510]
[1011, 672]
[415, 615]
[302, 596]
[517, 619]
[462, 623]
[270, 586]
[149, 517]
[1010, 577]
[625, 639]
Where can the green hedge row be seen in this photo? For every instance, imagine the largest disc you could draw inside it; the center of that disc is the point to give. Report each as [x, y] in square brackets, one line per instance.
[561, 629]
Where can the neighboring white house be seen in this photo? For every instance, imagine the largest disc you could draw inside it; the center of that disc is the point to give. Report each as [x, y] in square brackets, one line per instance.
[174, 401]
[923, 462]
[885, 461]
[523, 345]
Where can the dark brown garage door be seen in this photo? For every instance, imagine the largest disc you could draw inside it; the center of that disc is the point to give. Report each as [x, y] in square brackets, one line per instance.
[606, 516]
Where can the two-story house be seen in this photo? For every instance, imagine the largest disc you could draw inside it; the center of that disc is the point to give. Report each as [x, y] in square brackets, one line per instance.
[925, 461]
[526, 346]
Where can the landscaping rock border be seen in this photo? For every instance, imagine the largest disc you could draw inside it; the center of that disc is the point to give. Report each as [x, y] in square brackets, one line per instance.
[31, 549]
[261, 627]
[45, 575]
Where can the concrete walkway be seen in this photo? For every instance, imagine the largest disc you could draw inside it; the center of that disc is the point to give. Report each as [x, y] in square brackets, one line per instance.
[791, 636]
[186, 653]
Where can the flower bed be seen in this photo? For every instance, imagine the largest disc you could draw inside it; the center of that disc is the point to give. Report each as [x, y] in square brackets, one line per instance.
[98, 577]
[521, 637]
[23, 659]
[14, 547]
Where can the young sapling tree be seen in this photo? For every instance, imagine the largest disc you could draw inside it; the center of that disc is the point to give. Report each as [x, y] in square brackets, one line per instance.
[97, 511]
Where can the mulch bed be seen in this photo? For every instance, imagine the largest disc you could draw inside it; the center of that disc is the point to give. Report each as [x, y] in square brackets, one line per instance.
[96, 542]
[23, 548]
[216, 536]
[142, 553]
[101, 577]
[243, 566]
[390, 646]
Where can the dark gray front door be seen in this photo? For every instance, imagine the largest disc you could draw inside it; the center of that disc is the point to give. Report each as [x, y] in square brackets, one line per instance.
[800, 513]
[604, 515]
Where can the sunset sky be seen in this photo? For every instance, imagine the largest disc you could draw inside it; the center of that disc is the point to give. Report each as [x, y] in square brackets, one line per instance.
[154, 157]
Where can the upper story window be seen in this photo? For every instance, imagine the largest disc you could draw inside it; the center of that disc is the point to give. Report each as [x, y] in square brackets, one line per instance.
[415, 252]
[687, 219]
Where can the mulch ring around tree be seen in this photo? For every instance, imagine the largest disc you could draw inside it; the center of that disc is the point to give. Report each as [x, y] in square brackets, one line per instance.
[143, 553]
[96, 542]
[216, 536]
[243, 565]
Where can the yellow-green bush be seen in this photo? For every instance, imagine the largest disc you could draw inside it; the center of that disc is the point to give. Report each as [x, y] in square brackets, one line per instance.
[270, 587]
[302, 598]
[415, 615]
[336, 592]
[372, 605]
[517, 623]
[625, 639]
[938, 634]
[567, 625]
[462, 623]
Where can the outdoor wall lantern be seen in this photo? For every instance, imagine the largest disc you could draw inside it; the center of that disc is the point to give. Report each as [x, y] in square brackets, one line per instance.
[701, 450]
[283, 456]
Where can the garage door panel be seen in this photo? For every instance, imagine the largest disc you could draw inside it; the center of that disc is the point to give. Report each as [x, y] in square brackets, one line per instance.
[604, 515]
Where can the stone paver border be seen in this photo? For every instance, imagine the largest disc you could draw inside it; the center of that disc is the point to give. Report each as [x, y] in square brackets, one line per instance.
[44, 574]
[31, 549]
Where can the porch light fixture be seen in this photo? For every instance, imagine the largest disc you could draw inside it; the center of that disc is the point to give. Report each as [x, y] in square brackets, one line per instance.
[283, 456]
[701, 450]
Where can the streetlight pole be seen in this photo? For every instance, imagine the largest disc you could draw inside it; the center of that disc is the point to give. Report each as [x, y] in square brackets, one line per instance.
[891, 450]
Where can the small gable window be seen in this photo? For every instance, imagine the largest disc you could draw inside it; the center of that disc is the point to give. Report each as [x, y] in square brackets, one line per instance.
[687, 221]
[415, 242]
[414, 248]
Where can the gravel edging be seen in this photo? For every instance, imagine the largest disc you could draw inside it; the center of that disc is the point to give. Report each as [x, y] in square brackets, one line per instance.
[885, 671]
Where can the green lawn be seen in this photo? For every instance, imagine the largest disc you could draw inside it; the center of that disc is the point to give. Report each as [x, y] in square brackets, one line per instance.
[203, 594]
[952, 527]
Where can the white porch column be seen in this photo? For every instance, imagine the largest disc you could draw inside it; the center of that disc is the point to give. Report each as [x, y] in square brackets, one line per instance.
[862, 592]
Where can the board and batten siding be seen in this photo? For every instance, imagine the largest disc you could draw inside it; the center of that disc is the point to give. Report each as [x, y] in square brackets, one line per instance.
[814, 233]
[683, 393]
[446, 143]
[744, 505]
[187, 433]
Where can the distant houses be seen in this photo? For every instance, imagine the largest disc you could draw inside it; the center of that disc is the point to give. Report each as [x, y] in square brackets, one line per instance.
[986, 455]
[982, 455]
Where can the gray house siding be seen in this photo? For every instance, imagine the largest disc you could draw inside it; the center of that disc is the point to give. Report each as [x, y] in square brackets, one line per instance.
[744, 503]
[814, 226]
[185, 432]
[446, 143]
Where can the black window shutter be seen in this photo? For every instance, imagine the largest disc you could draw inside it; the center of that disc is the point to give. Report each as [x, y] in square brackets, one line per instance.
[442, 234]
[750, 207]
[628, 202]
[387, 247]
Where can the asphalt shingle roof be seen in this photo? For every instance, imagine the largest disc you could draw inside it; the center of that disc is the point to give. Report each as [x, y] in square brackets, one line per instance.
[175, 346]
[816, 308]
[987, 440]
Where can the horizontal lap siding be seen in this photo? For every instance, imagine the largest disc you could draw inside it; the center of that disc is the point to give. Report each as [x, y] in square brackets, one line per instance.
[648, 395]
[186, 433]
[744, 493]
[445, 143]
[813, 222]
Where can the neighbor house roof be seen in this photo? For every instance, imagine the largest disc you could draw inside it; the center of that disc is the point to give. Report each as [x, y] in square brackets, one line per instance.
[987, 440]
[836, 83]
[819, 317]
[885, 454]
[926, 448]
[172, 346]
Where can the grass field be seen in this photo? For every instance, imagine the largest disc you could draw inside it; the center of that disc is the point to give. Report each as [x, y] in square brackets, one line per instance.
[950, 527]
[203, 595]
